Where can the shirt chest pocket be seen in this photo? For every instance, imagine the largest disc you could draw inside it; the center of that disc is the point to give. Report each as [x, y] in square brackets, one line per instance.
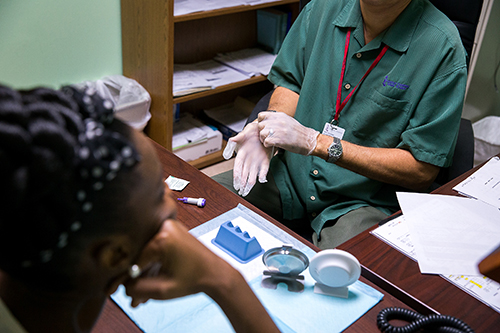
[380, 119]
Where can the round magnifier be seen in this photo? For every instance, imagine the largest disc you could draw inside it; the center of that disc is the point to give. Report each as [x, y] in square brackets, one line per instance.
[285, 260]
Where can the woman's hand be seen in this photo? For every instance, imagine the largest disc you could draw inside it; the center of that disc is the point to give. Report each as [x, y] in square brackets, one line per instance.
[174, 264]
[181, 265]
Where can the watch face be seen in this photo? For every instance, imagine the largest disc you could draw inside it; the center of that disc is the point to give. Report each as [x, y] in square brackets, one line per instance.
[334, 151]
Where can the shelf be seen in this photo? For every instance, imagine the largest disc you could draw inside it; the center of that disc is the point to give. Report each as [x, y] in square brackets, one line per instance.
[207, 160]
[229, 10]
[205, 93]
[149, 29]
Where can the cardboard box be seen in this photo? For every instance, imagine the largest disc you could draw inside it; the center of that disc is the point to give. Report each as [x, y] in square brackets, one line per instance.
[191, 153]
[195, 150]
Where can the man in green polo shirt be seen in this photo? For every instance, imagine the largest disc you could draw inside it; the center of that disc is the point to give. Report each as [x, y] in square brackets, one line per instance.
[368, 102]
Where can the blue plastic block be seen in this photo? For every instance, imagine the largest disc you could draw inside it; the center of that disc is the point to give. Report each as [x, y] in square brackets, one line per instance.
[236, 243]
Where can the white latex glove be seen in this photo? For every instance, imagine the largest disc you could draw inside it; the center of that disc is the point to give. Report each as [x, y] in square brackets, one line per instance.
[252, 159]
[287, 133]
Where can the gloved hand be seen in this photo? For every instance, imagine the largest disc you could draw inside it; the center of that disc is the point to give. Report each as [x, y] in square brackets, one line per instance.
[252, 158]
[280, 130]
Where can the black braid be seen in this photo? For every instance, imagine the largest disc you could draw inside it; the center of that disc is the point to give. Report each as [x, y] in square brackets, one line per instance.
[58, 150]
[38, 135]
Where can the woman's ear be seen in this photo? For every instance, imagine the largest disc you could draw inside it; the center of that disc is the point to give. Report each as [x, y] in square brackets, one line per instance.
[114, 256]
[113, 253]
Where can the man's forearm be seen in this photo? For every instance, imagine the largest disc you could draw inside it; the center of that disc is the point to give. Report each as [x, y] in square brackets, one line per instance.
[388, 165]
[284, 100]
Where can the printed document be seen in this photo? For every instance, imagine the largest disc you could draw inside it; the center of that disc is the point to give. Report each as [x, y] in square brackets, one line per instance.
[451, 234]
[396, 234]
[250, 62]
[484, 184]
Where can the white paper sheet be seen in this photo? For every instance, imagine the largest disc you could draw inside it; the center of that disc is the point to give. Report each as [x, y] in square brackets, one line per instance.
[218, 74]
[484, 184]
[203, 75]
[187, 80]
[182, 7]
[450, 234]
[188, 131]
[250, 62]
[396, 234]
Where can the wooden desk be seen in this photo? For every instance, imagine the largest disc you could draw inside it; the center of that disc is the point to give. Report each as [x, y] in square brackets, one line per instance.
[415, 289]
[219, 200]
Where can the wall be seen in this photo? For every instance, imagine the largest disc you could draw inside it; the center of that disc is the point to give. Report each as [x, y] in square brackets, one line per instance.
[55, 42]
[482, 98]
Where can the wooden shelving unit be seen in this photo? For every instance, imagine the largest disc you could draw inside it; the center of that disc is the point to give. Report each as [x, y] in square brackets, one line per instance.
[153, 39]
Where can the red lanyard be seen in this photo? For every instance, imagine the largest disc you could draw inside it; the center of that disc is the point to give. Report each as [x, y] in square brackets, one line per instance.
[340, 106]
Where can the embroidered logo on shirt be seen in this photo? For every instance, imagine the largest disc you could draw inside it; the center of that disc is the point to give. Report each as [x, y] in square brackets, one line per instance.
[398, 85]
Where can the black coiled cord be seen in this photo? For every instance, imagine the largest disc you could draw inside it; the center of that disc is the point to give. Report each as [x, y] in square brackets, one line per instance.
[439, 323]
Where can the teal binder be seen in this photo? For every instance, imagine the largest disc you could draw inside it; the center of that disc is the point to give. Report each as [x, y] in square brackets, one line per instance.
[272, 26]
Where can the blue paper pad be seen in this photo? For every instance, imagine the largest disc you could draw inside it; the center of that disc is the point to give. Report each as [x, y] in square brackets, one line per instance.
[292, 312]
[310, 312]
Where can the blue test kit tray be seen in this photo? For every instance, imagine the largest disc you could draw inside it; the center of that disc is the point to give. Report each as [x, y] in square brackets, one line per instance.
[238, 244]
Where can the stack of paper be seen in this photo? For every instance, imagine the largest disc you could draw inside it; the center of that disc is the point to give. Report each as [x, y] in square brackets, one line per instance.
[450, 234]
[257, 2]
[192, 139]
[188, 131]
[188, 81]
[250, 62]
[396, 234]
[202, 76]
[183, 7]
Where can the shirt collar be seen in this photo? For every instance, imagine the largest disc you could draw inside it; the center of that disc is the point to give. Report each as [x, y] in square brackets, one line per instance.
[399, 34]
[350, 16]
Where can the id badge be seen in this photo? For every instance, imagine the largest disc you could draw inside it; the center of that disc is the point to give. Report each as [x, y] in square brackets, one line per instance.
[333, 131]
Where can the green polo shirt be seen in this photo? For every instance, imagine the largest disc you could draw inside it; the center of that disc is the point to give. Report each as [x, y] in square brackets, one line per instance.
[412, 100]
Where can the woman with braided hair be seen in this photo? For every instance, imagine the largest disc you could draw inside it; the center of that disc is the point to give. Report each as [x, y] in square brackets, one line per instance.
[83, 209]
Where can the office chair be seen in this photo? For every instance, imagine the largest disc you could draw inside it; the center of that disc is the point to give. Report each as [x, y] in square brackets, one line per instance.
[465, 15]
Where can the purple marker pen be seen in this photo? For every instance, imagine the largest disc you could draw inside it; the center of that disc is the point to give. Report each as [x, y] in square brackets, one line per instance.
[200, 202]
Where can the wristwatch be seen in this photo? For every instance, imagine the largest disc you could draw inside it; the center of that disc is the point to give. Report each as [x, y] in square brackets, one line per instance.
[334, 151]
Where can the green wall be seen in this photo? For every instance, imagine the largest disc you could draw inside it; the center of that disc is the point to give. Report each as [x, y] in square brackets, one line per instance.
[55, 42]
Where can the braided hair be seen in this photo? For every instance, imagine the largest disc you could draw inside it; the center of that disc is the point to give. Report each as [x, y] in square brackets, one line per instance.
[57, 147]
